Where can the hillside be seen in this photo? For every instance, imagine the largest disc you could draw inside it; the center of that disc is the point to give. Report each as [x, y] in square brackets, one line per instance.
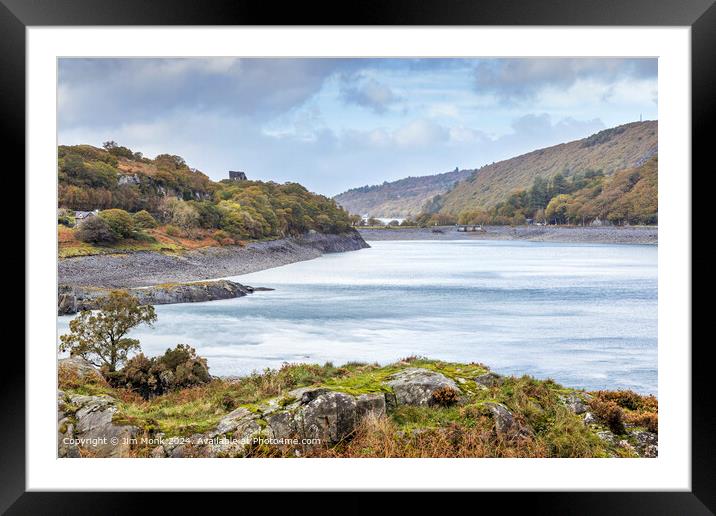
[162, 204]
[608, 151]
[399, 199]
[628, 196]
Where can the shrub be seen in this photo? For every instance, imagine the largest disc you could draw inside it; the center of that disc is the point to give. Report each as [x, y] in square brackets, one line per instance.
[66, 218]
[95, 230]
[649, 420]
[628, 399]
[176, 369]
[119, 221]
[172, 231]
[445, 396]
[144, 220]
[609, 413]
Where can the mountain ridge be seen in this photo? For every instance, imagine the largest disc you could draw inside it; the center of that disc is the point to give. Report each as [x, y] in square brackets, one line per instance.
[401, 198]
[609, 151]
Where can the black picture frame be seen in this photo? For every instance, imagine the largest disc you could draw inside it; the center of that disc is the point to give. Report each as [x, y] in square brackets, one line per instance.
[700, 15]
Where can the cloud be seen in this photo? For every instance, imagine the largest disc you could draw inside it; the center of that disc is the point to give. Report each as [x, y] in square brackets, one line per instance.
[121, 90]
[287, 119]
[367, 93]
[523, 78]
[533, 131]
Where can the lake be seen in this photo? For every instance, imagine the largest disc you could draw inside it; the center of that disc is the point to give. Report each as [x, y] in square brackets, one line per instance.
[582, 314]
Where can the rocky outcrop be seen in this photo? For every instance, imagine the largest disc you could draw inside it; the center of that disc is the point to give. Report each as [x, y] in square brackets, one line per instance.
[488, 379]
[576, 403]
[303, 418]
[80, 371]
[415, 386]
[71, 300]
[86, 425]
[506, 425]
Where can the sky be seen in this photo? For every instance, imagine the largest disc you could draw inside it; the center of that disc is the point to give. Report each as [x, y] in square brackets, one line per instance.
[335, 124]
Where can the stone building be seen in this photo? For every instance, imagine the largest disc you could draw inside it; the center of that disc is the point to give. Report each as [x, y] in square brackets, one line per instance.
[237, 175]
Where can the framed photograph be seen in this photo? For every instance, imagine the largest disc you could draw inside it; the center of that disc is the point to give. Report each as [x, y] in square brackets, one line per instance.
[417, 249]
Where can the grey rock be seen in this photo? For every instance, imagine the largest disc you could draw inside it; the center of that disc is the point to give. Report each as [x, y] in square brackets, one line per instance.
[80, 368]
[71, 300]
[132, 179]
[415, 386]
[282, 425]
[370, 404]
[647, 443]
[589, 418]
[309, 395]
[505, 423]
[235, 420]
[331, 417]
[96, 430]
[607, 436]
[489, 379]
[391, 403]
[574, 403]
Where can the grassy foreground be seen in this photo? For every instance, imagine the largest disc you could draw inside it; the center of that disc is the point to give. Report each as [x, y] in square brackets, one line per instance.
[463, 429]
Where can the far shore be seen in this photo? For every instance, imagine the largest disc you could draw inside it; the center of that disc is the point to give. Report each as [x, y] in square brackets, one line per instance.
[566, 234]
[148, 268]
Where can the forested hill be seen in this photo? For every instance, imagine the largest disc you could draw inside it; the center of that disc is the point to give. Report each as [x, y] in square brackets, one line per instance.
[619, 148]
[403, 198]
[134, 194]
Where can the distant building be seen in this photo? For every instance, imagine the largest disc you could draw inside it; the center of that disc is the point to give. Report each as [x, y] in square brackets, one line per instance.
[237, 175]
[81, 216]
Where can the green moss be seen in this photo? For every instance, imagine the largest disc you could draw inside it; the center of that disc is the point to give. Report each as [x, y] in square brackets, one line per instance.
[285, 401]
[535, 403]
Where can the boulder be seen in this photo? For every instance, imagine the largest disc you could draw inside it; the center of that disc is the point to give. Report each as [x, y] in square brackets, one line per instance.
[232, 436]
[236, 420]
[575, 403]
[282, 425]
[66, 304]
[96, 432]
[505, 423]
[489, 379]
[589, 419]
[373, 404]
[66, 447]
[415, 386]
[330, 417]
[77, 369]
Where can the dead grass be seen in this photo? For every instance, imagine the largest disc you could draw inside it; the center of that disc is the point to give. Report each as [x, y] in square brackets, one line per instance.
[616, 409]
[379, 437]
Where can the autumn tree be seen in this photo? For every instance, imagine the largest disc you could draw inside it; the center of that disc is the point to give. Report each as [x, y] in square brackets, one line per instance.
[100, 336]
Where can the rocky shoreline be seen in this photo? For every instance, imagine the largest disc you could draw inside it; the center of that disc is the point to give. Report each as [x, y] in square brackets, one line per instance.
[140, 269]
[71, 300]
[566, 234]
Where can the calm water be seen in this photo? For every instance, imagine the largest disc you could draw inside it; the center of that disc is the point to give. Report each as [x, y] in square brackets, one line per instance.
[585, 315]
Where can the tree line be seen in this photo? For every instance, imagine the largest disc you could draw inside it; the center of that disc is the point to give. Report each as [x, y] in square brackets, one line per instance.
[628, 197]
[135, 193]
